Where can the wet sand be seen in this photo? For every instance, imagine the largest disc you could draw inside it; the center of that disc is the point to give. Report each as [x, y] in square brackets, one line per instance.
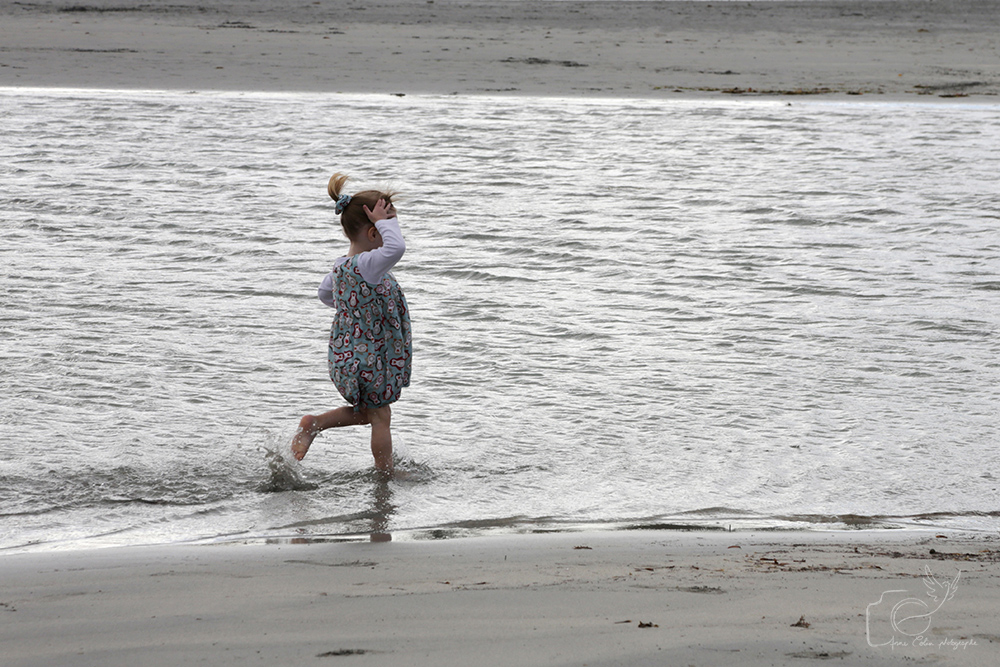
[889, 49]
[594, 598]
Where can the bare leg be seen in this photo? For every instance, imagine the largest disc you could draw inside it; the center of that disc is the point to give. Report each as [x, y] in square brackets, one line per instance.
[312, 425]
[380, 419]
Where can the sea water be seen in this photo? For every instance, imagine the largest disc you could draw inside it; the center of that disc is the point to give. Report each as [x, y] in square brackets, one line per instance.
[708, 313]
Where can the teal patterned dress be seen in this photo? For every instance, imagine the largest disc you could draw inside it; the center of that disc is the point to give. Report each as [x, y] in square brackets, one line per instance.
[370, 344]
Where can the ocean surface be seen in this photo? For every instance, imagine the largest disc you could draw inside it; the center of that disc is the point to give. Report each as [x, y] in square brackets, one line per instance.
[657, 314]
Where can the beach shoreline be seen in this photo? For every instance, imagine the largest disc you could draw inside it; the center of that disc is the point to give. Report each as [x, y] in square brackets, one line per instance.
[889, 50]
[631, 597]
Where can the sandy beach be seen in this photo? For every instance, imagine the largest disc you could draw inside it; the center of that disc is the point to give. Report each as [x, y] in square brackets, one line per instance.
[894, 49]
[589, 598]
[642, 597]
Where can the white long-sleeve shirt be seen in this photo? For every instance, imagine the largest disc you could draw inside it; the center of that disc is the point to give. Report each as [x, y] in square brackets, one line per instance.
[372, 263]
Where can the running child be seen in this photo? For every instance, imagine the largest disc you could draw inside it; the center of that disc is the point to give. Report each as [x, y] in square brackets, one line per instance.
[370, 347]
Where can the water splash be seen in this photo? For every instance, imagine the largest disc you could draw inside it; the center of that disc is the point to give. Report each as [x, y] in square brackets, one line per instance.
[283, 472]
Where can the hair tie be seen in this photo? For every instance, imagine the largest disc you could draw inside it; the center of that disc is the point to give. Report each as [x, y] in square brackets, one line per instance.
[342, 203]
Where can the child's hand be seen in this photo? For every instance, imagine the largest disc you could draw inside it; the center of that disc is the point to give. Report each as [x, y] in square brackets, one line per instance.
[382, 211]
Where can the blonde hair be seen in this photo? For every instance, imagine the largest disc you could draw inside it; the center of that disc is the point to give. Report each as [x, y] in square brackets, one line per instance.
[353, 218]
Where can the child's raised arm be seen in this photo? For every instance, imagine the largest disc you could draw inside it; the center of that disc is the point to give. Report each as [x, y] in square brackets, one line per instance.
[374, 263]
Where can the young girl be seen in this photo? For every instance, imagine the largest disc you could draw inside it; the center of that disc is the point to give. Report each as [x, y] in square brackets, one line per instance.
[369, 354]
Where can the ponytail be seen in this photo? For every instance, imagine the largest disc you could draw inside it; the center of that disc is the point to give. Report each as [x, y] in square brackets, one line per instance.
[335, 185]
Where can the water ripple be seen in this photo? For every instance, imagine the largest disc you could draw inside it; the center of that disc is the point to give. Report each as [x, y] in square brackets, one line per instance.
[623, 311]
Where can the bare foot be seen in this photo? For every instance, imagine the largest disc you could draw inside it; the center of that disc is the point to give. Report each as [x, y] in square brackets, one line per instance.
[304, 437]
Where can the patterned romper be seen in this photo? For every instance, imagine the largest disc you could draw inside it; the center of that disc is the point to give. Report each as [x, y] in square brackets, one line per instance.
[370, 346]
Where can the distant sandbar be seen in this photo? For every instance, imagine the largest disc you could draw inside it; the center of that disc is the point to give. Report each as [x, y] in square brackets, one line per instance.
[910, 49]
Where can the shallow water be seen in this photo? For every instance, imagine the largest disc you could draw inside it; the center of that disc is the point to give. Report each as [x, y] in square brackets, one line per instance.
[625, 312]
